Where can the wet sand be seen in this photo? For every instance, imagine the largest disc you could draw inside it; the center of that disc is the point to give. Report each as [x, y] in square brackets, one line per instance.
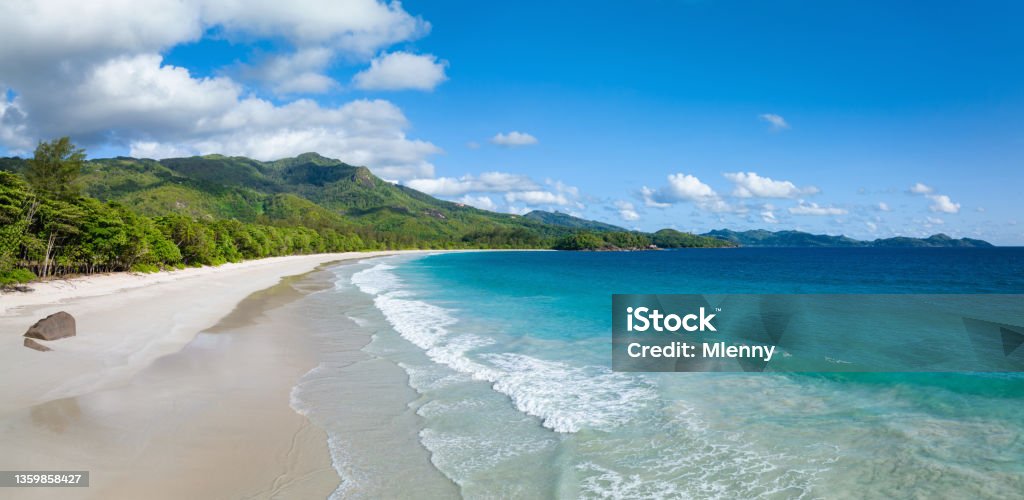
[211, 419]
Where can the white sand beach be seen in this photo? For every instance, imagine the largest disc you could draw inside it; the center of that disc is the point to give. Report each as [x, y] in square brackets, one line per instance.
[152, 408]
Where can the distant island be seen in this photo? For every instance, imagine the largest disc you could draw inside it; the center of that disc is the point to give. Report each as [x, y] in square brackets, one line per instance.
[762, 238]
[61, 214]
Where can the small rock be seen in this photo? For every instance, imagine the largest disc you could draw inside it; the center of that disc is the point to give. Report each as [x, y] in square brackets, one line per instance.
[55, 326]
[32, 344]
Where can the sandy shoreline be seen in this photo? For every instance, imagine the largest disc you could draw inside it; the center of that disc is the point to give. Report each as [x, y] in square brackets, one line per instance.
[153, 407]
[125, 321]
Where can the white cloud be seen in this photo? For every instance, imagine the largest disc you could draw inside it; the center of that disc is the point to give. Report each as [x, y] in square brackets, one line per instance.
[512, 209]
[37, 35]
[485, 182]
[651, 196]
[627, 211]
[514, 139]
[681, 187]
[777, 122]
[920, 188]
[768, 216]
[804, 208]
[143, 149]
[942, 203]
[481, 202]
[564, 188]
[74, 75]
[296, 73]
[514, 189]
[871, 226]
[537, 198]
[934, 221]
[687, 188]
[883, 207]
[13, 125]
[751, 185]
[401, 71]
[357, 27]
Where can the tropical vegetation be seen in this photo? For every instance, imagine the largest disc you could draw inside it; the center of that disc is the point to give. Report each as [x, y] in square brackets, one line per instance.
[61, 214]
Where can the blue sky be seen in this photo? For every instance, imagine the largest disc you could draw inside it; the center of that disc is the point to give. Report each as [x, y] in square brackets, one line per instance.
[821, 116]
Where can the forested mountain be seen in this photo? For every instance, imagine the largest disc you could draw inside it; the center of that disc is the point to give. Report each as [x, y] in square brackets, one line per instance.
[61, 214]
[566, 220]
[308, 190]
[762, 238]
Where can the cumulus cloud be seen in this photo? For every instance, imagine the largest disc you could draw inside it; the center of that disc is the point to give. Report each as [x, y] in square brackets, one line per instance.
[481, 202]
[512, 209]
[514, 139]
[651, 197]
[919, 188]
[70, 74]
[804, 208]
[13, 124]
[558, 193]
[401, 71]
[627, 211]
[300, 72]
[357, 27]
[883, 207]
[686, 188]
[751, 185]
[537, 198]
[942, 203]
[520, 192]
[681, 187]
[777, 122]
[564, 188]
[487, 182]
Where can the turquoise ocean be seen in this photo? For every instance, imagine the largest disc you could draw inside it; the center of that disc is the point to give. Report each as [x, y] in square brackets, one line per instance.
[509, 355]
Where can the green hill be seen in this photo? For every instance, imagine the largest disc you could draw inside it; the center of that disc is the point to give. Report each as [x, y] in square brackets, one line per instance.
[308, 190]
[318, 192]
[126, 213]
[324, 194]
[566, 220]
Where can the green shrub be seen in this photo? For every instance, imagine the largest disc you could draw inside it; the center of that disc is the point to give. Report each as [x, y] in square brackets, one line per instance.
[15, 277]
[145, 268]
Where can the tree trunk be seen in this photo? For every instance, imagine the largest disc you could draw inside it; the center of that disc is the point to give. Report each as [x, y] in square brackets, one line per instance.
[46, 259]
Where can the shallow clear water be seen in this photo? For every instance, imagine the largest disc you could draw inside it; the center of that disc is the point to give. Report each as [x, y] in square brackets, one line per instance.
[509, 353]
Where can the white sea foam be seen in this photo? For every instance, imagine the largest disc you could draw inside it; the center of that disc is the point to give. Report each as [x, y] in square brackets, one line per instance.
[376, 279]
[465, 455]
[340, 459]
[431, 378]
[566, 398]
[361, 322]
[569, 398]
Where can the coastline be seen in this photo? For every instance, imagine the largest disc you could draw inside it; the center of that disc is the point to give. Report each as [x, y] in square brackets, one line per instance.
[177, 385]
[126, 321]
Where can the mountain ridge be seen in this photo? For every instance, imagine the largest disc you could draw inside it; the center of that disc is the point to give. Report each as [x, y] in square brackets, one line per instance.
[315, 191]
[800, 239]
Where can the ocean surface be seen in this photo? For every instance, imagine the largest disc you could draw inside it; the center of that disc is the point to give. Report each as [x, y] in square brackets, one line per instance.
[508, 355]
